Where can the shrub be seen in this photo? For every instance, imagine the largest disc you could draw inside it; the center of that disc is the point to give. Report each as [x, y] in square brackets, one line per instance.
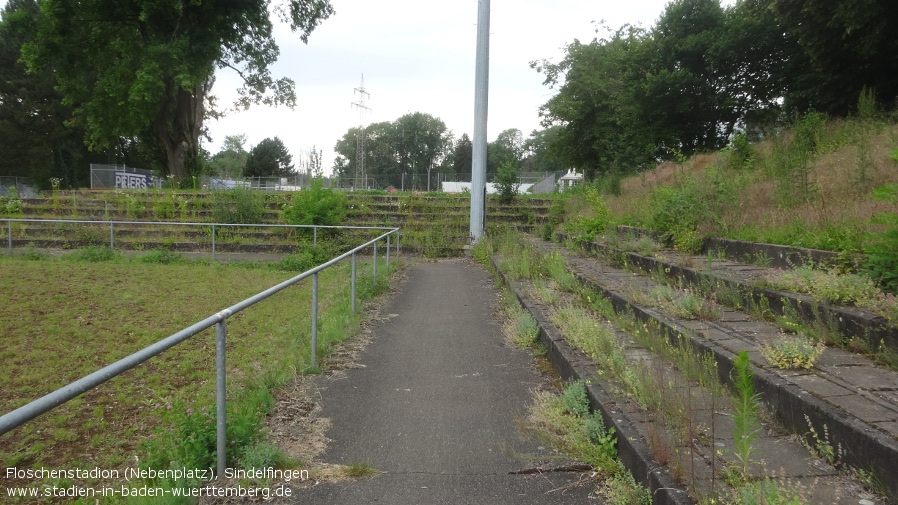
[575, 400]
[739, 154]
[93, 254]
[882, 248]
[11, 204]
[316, 205]
[237, 206]
[792, 352]
[507, 182]
[587, 227]
[678, 212]
[164, 206]
[304, 259]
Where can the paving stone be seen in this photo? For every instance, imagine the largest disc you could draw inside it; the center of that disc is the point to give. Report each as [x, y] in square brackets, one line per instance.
[867, 377]
[819, 386]
[864, 409]
[890, 427]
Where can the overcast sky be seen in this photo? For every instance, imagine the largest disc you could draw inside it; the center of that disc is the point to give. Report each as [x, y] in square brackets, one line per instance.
[418, 56]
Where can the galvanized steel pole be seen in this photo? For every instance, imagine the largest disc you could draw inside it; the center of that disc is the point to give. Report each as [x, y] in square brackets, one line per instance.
[314, 320]
[213, 242]
[374, 273]
[481, 98]
[221, 423]
[388, 255]
[353, 283]
[111, 235]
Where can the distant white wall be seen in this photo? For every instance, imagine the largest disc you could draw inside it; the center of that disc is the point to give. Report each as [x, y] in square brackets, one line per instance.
[461, 187]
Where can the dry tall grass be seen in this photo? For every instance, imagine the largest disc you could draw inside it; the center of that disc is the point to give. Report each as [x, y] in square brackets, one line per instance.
[853, 158]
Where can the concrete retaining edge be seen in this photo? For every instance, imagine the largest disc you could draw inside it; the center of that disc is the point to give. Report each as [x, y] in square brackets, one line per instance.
[780, 256]
[849, 321]
[865, 447]
[632, 448]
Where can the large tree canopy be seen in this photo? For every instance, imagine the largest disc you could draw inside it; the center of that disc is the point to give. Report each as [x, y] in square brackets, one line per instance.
[145, 67]
[397, 152]
[704, 72]
[847, 45]
[269, 158]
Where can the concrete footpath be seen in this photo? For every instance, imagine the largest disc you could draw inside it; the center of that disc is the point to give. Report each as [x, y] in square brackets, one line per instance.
[434, 405]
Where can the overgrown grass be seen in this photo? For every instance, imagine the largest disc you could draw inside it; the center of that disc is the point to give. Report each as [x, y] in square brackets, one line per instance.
[808, 186]
[71, 318]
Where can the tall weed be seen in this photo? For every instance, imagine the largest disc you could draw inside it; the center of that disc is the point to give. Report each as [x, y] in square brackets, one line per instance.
[237, 206]
[882, 248]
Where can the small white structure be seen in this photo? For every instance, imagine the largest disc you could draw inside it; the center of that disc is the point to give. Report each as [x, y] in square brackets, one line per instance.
[569, 180]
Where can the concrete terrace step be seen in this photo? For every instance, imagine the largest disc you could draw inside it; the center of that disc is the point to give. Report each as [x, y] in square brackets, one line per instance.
[851, 322]
[846, 395]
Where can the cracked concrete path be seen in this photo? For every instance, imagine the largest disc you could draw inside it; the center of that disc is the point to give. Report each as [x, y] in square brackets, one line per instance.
[435, 403]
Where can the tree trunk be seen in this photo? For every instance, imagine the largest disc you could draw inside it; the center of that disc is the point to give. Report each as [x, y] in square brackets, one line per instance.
[178, 125]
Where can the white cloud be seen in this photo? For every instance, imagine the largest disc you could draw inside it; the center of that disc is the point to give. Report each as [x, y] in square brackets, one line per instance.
[419, 57]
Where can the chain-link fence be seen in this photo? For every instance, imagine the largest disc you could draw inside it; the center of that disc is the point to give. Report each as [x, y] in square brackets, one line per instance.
[541, 182]
[23, 186]
[293, 182]
[122, 177]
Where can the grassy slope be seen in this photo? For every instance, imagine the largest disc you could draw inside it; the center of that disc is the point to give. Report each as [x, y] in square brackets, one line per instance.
[752, 201]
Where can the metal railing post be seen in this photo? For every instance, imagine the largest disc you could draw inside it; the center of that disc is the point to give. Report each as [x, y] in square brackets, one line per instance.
[9, 237]
[111, 235]
[397, 246]
[388, 255]
[315, 320]
[374, 272]
[353, 283]
[221, 395]
[314, 235]
[213, 242]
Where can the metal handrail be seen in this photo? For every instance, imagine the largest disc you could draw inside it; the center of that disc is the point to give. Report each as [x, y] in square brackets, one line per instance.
[37, 407]
[315, 228]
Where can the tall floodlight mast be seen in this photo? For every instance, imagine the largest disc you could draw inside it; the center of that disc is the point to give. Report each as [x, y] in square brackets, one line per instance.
[360, 139]
[481, 93]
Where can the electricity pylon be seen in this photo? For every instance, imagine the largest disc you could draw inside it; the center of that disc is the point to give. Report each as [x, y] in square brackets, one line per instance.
[360, 139]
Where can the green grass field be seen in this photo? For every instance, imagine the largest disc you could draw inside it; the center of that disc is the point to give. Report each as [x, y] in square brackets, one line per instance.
[61, 320]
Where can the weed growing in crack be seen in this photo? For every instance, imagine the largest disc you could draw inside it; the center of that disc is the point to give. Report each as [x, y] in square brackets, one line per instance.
[360, 470]
[745, 416]
[820, 446]
[792, 352]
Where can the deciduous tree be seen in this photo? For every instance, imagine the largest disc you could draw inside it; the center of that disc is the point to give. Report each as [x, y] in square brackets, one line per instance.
[145, 67]
[268, 158]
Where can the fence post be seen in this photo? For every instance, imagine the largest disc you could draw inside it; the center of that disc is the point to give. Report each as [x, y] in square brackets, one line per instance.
[220, 395]
[213, 241]
[111, 235]
[315, 320]
[314, 235]
[9, 237]
[388, 255]
[353, 283]
[374, 273]
[397, 246]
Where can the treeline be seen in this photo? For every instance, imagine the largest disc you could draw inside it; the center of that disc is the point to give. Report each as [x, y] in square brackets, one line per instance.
[704, 73]
[418, 147]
